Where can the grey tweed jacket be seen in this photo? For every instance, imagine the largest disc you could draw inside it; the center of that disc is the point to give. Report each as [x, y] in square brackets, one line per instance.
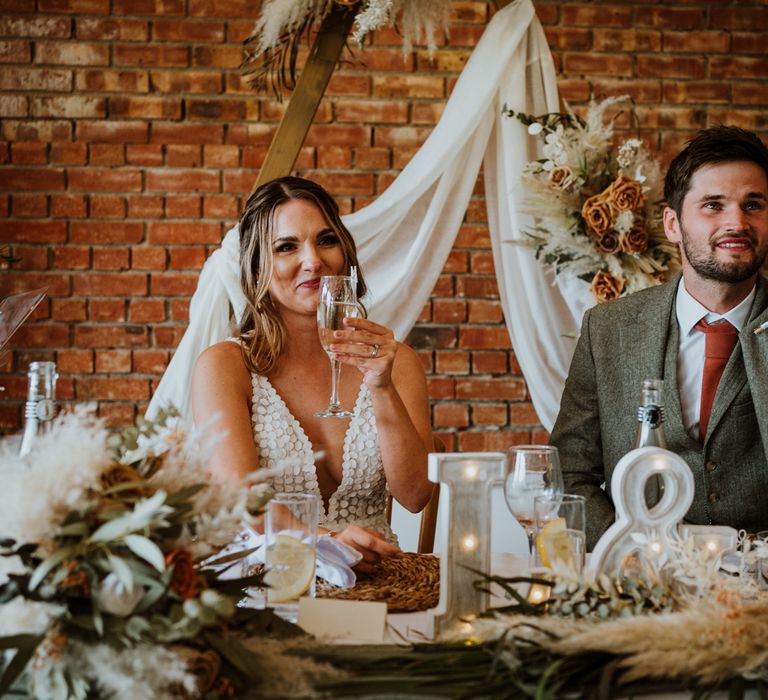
[635, 338]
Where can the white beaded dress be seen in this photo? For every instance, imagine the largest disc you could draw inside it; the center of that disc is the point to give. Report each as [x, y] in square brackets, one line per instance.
[361, 497]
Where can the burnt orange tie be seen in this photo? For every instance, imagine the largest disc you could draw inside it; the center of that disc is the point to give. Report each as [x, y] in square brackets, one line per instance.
[721, 339]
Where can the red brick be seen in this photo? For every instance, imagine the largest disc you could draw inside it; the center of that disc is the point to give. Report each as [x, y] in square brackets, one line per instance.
[221, 207]
[74, 361]
[450, 415]
[101, 336]
[124, 284]
[167, 337]
[112, 81]
[441, 388]
[671, 66]
[145, 107]
[183, 207]
[752, 92]
[149, 361]
[183, 233]
[639, 90]
[126, 389]
[146, 310]
[491, 440]
[737, 66]
[163, 132]
[186, 82]
[101, 180]
[334, 157]
[409, 86]
[217, 56]
[484, 337]
[216, 156]
[33, 231]
[14, 106]
[187, 258]
[119, 415]
[112, 131]
[688, 19]
[144, 154]
[63, 153]
[523, 414]
[68, 310]
[33, 257]
[29, 153]
[631, 40]
[36, 130]
[48, 336]
[180, 309]
[48, 27]
[46, 179]
[494, 389]
[451, 362]
[338, 135]
[598, 64]
[107, 207]
[148, 258]
[68, 206]
[697, 91]
[485, 312]
[98, 29]
[748, 42]
[559, 38]
[173, 284]
[449, 311]
[110, 259]
[90, 7]
[183, 155]
[145, 206]
[748, 18]
[72, 257]
[27, 205]
[150, 55]
[482, 263]
[344, 183]
[106, 310]
[104, 154]
[443, 286]
[472, 286]
[697, 42]
[427, 113]
[187, 30]
[591, 16]
[181, 180]
[490, 362]
[101, 232]
[341, 84]
[71, 53]
[113, 361]
[473, 237]
[490, 414]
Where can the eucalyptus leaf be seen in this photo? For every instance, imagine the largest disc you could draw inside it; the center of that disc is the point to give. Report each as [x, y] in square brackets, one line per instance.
[121, 569]
[146, 549]
[48, 565]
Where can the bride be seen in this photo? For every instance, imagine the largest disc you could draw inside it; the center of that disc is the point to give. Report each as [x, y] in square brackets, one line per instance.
[266, 384]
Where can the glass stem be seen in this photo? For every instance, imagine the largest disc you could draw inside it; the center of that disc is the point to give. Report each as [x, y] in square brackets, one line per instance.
[335, 373]
[531, 533]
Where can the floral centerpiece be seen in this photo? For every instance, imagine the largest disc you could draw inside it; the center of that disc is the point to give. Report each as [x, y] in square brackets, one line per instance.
[597, 207]
[101, 587]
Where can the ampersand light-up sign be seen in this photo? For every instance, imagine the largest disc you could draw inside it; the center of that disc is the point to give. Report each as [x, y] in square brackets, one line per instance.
[465, 535]
[633, 516]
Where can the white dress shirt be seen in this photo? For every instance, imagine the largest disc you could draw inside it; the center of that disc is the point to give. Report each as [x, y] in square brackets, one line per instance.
[690, 354]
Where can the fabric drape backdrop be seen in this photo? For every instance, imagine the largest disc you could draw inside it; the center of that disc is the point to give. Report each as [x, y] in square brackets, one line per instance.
[404, 237]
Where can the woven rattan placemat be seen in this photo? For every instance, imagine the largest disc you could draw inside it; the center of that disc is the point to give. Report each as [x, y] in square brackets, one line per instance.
[407, 584]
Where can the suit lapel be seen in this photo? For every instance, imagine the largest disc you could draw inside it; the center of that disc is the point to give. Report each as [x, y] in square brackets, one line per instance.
[754, 351]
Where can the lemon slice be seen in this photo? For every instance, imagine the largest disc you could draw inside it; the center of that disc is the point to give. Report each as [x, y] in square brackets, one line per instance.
[290, 569]
[554, 543]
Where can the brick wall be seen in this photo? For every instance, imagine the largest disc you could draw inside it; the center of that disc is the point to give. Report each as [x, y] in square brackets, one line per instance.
[129, 141]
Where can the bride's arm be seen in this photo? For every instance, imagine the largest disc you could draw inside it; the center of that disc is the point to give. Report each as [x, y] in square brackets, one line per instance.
[221, 394]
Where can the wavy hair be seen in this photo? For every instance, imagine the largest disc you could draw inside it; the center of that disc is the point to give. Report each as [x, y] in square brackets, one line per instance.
[262, 332]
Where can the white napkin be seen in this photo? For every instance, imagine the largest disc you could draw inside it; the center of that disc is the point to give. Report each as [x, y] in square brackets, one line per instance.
[334, 560]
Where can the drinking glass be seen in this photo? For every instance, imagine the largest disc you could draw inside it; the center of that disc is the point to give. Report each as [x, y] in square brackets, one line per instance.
[291, 540]
[338, 299]
[532, 470]
[560, 524]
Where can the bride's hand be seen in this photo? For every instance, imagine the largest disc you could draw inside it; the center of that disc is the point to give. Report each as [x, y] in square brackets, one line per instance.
[368, 346]
[369, 543]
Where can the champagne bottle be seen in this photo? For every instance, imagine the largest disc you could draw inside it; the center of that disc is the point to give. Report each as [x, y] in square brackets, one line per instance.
[40, 407]
[650, 415]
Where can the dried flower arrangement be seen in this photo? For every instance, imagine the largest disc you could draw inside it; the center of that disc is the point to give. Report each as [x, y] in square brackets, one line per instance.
[272, 48]
[101, 588]
[597, 208]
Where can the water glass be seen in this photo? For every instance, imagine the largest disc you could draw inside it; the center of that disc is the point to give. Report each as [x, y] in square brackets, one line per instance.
[560, 524]
[291, 549]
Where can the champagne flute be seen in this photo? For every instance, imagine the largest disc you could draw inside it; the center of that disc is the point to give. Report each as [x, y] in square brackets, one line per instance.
[532, 470]
[338, 299]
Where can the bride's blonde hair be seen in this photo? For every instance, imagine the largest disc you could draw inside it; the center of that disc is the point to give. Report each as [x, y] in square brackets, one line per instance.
[262, 333]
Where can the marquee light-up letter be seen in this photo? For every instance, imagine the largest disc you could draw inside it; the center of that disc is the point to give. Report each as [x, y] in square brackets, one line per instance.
[465, 534]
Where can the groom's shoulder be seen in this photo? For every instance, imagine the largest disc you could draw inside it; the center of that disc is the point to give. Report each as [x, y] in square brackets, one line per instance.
[635, 305]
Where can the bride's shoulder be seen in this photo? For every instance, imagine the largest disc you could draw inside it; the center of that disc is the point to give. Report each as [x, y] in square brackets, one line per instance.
[225, 356]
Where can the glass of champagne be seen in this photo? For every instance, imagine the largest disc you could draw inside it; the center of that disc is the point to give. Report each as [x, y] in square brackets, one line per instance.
[532, 470]
[338, 299]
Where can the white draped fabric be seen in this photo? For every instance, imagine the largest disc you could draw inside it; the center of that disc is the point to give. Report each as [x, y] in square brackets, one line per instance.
[404, 237]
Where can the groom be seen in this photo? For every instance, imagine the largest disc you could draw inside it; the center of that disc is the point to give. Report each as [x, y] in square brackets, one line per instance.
[716, 418]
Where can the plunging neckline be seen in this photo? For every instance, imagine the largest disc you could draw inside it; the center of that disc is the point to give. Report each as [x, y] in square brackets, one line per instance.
[309, 449]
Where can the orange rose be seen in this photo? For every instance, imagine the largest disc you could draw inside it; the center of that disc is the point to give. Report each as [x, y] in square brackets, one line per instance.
[560, 177]
[609, 243]
[625, 194]
[184, 577]
[598, 215]
[606, 287]
[635, 240]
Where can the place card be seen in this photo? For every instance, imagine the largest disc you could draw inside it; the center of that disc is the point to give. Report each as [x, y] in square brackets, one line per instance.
[343, 620]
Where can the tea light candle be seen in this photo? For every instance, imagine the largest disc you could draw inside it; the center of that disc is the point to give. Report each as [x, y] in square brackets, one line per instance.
[538, 593]
[714, 539]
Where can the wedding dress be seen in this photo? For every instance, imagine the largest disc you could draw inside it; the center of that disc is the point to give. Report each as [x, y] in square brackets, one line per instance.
[283, 446]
